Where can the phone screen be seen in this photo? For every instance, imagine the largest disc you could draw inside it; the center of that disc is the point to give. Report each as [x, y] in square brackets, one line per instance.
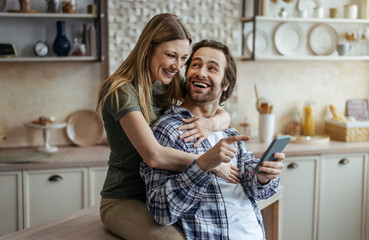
[277, 145]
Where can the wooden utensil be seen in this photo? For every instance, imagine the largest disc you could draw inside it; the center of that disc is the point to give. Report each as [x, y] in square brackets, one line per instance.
[256, 94]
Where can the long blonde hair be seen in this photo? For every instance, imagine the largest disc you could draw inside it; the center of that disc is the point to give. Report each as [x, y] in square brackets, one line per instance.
[135, 69]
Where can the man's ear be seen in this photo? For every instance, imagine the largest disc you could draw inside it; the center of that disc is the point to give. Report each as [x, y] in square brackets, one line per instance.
[225, 88]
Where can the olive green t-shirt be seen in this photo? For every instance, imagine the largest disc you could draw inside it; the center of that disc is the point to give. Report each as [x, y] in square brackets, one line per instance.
[123, 179]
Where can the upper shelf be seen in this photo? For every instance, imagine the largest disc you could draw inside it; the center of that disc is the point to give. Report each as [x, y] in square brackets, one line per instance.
[299, 19]
[49, 15]
[51, 59]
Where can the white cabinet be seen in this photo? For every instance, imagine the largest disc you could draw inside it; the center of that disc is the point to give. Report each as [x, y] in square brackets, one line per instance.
[11, 218]
[50, 194]
[299, 179]
[342, 197]
[96, 180]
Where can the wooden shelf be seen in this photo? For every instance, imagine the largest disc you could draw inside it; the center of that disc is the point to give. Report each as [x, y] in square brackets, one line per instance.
[51, 59]
[315, 20]
[48, 15]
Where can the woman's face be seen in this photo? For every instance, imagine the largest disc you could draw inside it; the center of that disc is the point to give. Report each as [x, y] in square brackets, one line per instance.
[167, 58]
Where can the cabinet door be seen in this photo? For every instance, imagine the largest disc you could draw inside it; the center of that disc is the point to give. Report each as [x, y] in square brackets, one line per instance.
[96, 177]
[11, 214]
[342, 197]
[299, 178]
[50, 194]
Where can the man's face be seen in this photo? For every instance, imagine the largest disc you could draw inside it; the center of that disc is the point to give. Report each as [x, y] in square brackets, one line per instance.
[205, 75]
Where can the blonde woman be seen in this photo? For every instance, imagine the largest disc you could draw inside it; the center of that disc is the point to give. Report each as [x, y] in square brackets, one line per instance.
[147, 82]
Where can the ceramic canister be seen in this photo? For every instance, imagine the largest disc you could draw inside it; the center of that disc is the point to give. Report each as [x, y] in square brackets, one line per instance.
[350, 11]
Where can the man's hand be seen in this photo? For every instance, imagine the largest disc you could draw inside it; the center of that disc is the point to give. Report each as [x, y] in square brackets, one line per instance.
[222, 152]
[228, 172]
[270, 169]
[196, 128]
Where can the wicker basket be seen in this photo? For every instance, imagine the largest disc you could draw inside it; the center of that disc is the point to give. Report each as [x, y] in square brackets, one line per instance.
[348, 132]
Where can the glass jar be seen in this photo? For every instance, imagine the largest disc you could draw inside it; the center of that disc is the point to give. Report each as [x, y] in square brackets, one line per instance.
[79, 49]
[309, 118]
[294, 125]
[69, 6]
[52, 6]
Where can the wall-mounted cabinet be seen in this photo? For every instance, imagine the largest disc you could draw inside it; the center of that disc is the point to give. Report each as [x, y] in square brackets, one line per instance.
[24, 29]
[301, 38]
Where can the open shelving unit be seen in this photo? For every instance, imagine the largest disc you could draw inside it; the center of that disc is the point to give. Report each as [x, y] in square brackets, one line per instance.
[25, 29]
[271, 23]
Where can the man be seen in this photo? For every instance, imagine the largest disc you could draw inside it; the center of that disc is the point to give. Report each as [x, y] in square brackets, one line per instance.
[206, 206]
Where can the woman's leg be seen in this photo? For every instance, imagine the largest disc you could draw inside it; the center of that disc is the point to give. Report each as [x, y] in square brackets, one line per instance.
[130, 219]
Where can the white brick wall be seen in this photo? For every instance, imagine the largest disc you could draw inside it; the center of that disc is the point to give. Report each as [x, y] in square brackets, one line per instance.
[216, 19]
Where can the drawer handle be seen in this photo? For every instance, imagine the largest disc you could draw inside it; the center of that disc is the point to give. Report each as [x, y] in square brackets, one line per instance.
[344, 161]
[292, 166]
[55, 178]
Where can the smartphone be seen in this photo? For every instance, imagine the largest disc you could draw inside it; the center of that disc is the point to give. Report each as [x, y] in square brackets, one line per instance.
[277, 145]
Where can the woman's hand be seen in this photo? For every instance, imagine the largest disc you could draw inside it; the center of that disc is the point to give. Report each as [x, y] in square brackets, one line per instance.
[228, 172]
[270, 169]
[196, 127]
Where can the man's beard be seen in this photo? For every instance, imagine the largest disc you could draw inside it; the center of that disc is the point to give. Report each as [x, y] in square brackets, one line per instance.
[204, 98]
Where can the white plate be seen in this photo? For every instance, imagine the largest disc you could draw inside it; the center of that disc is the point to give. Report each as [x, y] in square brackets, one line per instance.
[84, 128]
[261, 42]
[289, 39]
[323, 39]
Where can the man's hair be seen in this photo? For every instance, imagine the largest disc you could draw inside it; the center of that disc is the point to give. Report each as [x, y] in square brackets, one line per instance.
[230, 71]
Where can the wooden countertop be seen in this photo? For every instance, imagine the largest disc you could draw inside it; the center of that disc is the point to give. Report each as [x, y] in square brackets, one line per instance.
[98, 155]
[82, 224]
[86, 224]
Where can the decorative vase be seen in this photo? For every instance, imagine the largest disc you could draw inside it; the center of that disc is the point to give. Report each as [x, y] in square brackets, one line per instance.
[61, 44]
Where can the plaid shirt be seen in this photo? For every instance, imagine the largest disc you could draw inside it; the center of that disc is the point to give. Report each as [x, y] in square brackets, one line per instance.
[193, 198]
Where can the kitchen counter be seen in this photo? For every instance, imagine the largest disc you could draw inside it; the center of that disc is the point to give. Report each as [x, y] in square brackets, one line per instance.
[300, 149]
[73, 157]
[99, 155]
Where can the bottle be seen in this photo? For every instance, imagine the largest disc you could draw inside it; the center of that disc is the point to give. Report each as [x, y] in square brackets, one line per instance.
[294, 126]
[309, 118]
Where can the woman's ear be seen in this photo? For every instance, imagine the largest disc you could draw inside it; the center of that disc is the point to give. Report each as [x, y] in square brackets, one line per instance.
[149, 50]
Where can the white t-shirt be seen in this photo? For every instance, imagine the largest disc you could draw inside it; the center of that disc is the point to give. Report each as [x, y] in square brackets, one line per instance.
[242, 220]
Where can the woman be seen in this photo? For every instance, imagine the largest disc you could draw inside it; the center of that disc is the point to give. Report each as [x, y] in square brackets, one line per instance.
[146, 82]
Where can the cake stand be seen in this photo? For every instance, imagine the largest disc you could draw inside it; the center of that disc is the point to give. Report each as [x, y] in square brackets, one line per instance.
[46, 134]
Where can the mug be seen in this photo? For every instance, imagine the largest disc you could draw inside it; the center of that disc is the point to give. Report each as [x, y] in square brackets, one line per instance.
[319, 12]
[266, 127]
[343, 48]
[350, 11]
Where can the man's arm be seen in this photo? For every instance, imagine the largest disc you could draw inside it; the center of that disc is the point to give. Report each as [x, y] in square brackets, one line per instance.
[170, 194]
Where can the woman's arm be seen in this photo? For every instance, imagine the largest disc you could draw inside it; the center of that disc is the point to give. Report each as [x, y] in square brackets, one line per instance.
[201, 128]
[144, 141]
[157, 156]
